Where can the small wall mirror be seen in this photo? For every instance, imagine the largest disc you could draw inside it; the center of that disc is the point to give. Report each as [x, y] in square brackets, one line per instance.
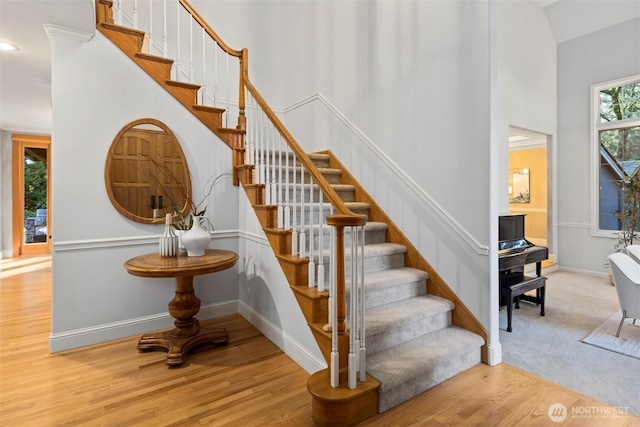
[146, 172]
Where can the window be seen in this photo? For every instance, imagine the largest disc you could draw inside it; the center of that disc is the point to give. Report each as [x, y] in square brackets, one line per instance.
[615, 140]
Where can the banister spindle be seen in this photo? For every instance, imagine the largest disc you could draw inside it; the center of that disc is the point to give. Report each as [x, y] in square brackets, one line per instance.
[150, 46]
[165, 43]
[226, 117]
[135, 15]
[204, 87]
[215, 74]
[287, 189]
[190, 50]
[320, 280]
[353, 311]
[119, 12]
[302, 246]
[311, 277]
[268, 182]
[362, 365]
[294, 228]
[177, 64]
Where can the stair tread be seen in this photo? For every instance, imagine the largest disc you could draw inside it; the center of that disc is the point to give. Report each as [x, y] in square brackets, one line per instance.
[405, 312]
[410, 359]
[393, 276]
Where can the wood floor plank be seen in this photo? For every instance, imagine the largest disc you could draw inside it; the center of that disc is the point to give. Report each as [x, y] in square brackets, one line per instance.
[248, 382]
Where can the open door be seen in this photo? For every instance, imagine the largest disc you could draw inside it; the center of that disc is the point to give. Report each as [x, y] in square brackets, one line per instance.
[31, 176]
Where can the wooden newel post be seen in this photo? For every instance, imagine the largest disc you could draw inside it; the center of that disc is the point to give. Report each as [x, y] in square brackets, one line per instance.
[341, 221]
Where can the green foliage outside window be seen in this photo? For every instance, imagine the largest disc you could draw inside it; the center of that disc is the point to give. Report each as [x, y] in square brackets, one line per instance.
[35, 188]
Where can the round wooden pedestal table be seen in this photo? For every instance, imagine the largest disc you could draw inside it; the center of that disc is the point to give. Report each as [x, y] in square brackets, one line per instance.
[187, 333]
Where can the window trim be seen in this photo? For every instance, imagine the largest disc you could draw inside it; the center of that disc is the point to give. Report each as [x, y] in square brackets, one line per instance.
[595, 126]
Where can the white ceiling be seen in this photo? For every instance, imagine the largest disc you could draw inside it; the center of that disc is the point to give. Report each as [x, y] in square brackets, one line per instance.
[25, 76]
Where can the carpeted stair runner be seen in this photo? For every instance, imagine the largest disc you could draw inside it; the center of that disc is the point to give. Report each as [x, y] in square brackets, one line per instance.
[410, 341]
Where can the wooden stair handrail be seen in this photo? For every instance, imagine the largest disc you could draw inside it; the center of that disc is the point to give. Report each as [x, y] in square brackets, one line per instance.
[209, 30]
[319, 179]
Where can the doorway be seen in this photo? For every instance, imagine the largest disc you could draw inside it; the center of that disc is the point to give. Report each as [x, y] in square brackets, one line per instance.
[528, 183]
[31, 175]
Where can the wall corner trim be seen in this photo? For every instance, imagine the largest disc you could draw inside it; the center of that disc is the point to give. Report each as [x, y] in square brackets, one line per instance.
[66, 32]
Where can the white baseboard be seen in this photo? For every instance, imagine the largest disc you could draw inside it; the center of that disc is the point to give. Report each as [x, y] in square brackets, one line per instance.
[286, 343]
[67, 340]
[494, 354]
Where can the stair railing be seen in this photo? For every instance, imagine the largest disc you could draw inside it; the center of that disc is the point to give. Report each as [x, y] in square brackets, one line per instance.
[310, 217]
[175, 30]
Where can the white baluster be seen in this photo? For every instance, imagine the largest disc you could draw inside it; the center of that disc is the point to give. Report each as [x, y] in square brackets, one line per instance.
[119, 12]
[287, 207]
[191, 50]
[150, 47]
[135, 15]
[204, 67]
[312, 265]
[321, 244]
[294, 233]
[177, 64]
[165, 43]
[226, 118]
[276, 172]
[362, 366]
[303, 244]
[267, 166]
[215, 73]
[353, 297]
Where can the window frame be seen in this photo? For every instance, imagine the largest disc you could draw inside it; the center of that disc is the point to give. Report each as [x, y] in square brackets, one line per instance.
[596, 126]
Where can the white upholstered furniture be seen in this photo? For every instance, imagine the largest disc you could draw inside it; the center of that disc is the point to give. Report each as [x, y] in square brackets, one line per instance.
[634, 252]
[626, 278]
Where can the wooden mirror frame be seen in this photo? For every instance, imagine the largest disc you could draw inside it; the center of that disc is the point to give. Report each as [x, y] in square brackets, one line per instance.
[108, 172]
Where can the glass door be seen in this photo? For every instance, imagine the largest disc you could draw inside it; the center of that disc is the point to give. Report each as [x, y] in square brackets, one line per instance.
[31, 219]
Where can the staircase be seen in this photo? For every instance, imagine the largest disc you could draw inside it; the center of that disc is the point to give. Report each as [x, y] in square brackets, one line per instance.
[418, 333]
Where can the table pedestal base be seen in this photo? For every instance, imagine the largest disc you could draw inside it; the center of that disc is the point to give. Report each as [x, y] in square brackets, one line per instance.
[178, 346]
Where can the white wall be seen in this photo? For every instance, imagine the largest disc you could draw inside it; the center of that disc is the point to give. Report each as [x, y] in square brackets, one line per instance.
[605, 55]
[97, 90]
[400, 91]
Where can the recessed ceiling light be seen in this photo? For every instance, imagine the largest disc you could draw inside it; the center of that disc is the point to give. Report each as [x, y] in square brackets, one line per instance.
[6, 46]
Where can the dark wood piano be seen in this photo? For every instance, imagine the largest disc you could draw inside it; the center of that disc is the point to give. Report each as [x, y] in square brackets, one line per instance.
[514, 253]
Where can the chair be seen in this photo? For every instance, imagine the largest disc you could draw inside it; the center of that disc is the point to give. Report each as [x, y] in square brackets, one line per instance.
[626, 278]
[634, 252]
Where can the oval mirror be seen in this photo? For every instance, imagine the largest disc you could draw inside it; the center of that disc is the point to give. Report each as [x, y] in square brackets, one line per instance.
[146, 172]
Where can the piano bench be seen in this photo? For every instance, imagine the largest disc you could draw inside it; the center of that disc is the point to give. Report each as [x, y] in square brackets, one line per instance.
[510, 290]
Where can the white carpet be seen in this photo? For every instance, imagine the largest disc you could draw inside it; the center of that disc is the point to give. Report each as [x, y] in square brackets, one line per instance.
[628, 343]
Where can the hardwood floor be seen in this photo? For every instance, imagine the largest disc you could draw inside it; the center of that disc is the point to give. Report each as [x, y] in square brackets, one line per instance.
[248, 382]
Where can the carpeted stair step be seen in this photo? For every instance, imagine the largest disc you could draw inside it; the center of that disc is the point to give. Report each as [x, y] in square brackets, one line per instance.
[392, 285]
[344, 191]
[333, 176]
[392, 324]
[415, 366]
[374, 232]
[377, 257]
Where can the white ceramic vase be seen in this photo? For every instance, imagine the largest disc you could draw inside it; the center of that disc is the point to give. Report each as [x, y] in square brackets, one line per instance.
[197, 239]
[168, 240]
